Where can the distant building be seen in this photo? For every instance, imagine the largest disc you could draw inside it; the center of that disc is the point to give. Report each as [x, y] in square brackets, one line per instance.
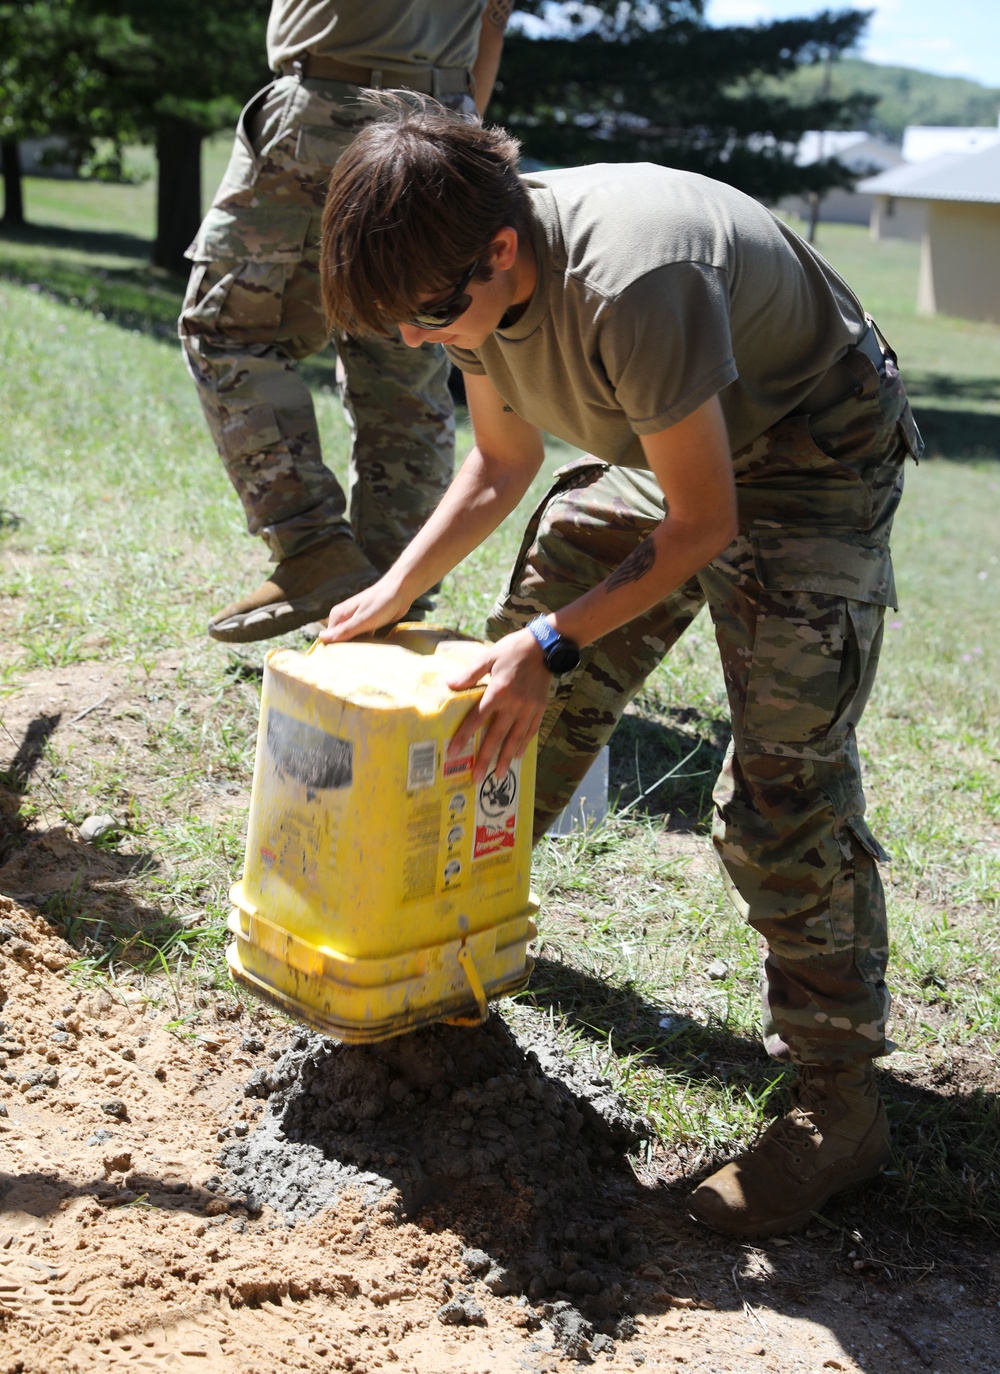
[958, 195]
[896, 213]
[925, 147]
[862, 153]
[921, 142]
[45, 157]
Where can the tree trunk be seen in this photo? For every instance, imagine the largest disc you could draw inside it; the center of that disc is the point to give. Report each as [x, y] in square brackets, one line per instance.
[178, 192]
[13, 186]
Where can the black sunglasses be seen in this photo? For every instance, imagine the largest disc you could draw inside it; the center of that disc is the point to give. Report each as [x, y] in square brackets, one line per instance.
[443, 313]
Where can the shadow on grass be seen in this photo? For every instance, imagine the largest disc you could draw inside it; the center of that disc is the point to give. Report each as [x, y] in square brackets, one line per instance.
[15, 777]
[620, 1018]
[667, 765]
[135, 297]
[945, 1145]
[960, 435]
[80, 888]
[942, 387]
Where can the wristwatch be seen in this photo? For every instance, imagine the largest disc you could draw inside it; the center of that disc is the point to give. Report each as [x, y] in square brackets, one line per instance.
[561, 655]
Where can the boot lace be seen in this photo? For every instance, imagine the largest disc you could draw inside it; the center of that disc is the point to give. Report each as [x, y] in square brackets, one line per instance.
[809, 1102]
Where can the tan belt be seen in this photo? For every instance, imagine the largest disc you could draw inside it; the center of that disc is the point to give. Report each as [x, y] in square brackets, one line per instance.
[428, 80]
[839, 381]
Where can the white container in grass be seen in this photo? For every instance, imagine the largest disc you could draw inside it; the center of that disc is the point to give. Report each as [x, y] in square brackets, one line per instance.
[588, 805]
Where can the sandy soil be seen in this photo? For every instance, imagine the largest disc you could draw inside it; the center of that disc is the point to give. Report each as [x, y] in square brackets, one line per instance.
[124, 1246]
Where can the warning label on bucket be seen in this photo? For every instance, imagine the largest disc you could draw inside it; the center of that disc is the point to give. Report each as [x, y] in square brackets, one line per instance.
[496, 813]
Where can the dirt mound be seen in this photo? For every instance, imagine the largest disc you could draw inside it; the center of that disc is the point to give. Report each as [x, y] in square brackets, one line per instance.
[461, 1117]
[478, 1209]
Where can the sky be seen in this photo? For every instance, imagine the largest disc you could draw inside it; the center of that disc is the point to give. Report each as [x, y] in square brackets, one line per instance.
[947, 37]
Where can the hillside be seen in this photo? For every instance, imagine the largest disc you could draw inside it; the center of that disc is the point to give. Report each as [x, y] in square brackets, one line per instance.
[905, 95]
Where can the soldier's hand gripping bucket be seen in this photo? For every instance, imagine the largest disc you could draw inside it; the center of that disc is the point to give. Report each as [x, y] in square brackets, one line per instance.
[381, 888]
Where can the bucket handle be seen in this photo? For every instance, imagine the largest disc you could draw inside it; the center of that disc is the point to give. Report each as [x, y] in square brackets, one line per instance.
[465, 958]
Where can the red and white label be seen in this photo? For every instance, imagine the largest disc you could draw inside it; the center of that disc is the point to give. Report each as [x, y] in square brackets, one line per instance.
[496, 813]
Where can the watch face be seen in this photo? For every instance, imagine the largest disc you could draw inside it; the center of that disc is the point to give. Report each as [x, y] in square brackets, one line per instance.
[562, 657]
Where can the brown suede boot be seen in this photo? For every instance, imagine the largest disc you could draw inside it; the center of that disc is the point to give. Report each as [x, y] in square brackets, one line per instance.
[300, 589]
[835, 1136]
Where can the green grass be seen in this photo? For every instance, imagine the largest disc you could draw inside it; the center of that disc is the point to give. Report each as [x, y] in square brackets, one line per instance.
[119, 535]
[951, 366]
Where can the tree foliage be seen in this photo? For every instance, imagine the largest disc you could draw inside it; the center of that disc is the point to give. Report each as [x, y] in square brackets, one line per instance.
[654, 82]
[166, 72]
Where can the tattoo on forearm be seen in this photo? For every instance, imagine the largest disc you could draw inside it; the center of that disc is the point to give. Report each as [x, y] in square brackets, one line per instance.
[499, 11]
[634, 567]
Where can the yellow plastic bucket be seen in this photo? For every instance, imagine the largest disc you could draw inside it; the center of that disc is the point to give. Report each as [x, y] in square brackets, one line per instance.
[381, 889]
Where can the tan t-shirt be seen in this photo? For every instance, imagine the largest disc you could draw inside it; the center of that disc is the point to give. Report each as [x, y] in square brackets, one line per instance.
[656, 290]
[376, 33]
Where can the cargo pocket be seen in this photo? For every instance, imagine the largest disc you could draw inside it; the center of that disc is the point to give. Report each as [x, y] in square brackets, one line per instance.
[859, 828]
[244, 259]
[817, 638]
[318, 146]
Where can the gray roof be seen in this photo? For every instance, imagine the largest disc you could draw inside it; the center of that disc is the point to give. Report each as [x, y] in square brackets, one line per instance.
[952, 176]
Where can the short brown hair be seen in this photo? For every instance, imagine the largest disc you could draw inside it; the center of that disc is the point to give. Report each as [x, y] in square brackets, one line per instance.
[415, 199]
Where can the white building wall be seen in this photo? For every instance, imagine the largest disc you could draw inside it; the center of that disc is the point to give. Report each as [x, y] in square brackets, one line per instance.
[960, 261]
[898, 217]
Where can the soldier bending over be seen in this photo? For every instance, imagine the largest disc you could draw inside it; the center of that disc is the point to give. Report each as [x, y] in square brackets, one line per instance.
[749, 431]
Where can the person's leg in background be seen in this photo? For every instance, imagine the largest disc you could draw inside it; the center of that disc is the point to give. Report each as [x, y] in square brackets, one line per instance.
[251, 311]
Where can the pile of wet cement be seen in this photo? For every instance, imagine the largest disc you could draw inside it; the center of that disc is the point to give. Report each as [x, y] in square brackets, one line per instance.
[478, 1121]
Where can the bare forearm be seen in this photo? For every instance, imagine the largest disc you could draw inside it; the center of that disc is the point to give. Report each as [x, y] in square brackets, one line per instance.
[479, 499]
[654, 568]
[487, 63]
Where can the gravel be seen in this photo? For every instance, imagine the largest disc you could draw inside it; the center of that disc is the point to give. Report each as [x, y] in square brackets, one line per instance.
[416, 1120]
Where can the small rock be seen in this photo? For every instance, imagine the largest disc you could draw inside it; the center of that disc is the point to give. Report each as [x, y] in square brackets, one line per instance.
[571, 1329]
[117, 1164]
[500, 1282]
[241, 1129]
[583, 1281]
[114, 1106]
[99, 1137]
[537, 1289]
[3, 1109]
[602, 1345]
[36, 1094]
[462, 1310]
[216, 1207]
[128, 1054]
[251, 1044]
[476, 1261]
[717, 970]
[258, 1084]
[95, 826]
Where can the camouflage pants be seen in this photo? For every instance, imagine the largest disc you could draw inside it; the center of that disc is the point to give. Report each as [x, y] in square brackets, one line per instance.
[798, 602]
[253, 308]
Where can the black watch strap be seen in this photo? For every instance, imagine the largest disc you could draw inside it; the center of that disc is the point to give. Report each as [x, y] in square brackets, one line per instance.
[561, 655]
